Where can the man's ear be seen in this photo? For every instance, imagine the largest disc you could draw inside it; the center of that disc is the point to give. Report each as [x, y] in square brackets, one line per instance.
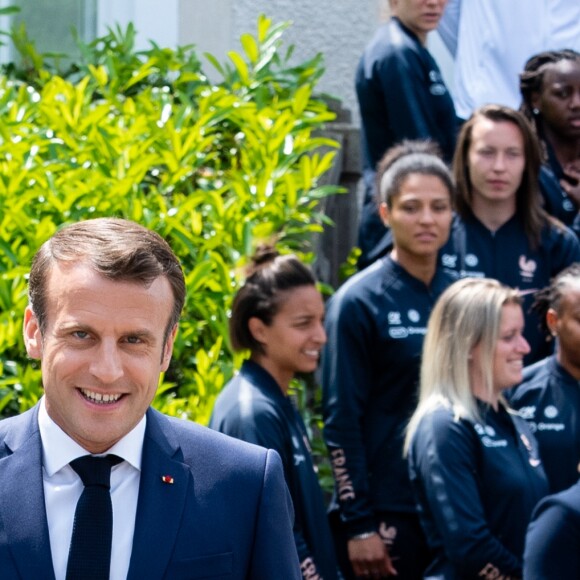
[32, 336]
[168, 349]
[384, 213]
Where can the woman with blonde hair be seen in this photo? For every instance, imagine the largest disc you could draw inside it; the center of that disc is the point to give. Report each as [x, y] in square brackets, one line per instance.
[474, 466]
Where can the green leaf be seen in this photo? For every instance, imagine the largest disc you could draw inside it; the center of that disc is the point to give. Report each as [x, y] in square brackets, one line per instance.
[300, 100]
[215, 62]
[9, 10]
[215, 168]
[250, 47]
[263, 27]
[241, 66]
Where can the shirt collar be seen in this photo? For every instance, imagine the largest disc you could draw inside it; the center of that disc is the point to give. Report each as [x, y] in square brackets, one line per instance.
[58, 449]
[261, 378]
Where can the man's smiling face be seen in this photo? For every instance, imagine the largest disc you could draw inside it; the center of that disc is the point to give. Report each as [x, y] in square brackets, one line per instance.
[102, 351]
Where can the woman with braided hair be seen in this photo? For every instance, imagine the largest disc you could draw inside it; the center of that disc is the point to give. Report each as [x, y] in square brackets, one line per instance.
[550, 88]
[549, 397]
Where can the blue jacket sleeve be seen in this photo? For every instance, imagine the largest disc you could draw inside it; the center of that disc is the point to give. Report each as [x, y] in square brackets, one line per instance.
[444, 469]
[264, 428]
[556, 202]
[274, 554]
[347, 380]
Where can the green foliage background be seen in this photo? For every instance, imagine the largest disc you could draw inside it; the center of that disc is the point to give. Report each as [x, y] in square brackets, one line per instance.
[215, 168]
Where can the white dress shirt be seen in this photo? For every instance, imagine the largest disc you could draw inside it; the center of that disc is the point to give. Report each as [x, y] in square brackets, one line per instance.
[63, 488]
[492, 39]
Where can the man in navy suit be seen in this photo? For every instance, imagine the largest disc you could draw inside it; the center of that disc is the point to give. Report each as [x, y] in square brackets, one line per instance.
[105, 297]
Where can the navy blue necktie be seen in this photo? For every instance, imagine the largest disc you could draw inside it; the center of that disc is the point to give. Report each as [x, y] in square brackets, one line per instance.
[90, 548]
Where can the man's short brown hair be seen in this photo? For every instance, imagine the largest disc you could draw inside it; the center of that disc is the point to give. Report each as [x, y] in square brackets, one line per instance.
[117, 249]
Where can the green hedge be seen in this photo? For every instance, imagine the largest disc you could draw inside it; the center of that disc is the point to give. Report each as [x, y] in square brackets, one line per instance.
[214, 168]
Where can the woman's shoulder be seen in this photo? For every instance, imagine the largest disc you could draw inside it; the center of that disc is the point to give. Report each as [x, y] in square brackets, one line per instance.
[535, 376]
[381, 46]
[248, 394]
[403, 39]
[362, 289]
[559, 244]
[393, 44]
[440, 420]
[570, 499]
[555, 234]
[246, 411]
[443, 433]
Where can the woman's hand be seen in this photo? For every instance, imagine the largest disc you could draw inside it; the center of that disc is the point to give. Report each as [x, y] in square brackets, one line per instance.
[369, 558]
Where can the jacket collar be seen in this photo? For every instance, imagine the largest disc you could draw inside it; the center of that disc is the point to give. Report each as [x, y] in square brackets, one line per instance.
[165, 480]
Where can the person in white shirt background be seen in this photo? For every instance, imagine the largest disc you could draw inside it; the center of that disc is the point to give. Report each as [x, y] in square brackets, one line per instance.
[491, 40]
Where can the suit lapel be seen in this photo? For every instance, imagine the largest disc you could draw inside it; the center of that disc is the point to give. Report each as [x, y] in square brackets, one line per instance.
[161, 503]
[23, 513]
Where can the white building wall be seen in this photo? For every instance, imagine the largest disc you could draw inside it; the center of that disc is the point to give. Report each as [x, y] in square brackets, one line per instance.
[153, 19]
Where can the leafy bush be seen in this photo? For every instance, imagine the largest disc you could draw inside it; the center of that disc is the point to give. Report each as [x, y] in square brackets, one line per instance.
[214, 168]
